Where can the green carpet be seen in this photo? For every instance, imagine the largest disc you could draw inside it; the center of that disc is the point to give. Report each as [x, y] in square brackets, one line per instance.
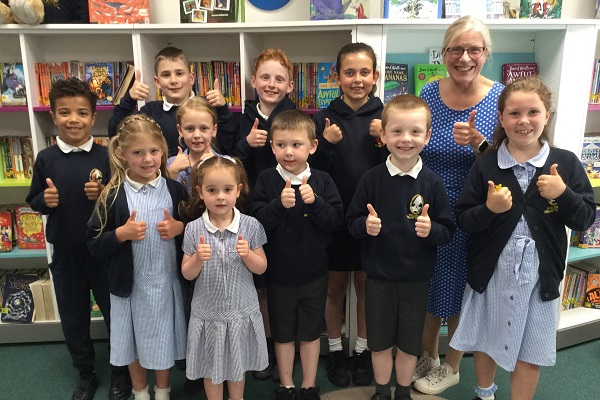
[43, 371]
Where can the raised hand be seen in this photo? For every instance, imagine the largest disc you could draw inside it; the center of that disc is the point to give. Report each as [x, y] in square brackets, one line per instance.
[203, 250]
[332, 133]
[215, 97]
[139, 90]
[51, 194]
[93, 188]
[375, 128]
[465, 133]
[256, 137]
[306, 192]
[551, 186]
[373, 221]
[242, 247]
[499, 199]
[131, 230]
[181, 162]
[288, 195]
[170, 227]
[423, 223]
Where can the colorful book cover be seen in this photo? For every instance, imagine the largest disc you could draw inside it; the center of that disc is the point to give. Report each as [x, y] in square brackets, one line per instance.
[14, 92]
[590, 156]
[540, 9]
[17, 305]
[210, 11]
[94, 308]
[592, 292]
[119, 11]
[30, 228]
[6, 237]
[396, 81]
[591, 236]
[339, 9]
[513, 71]
[412, 9]
[27, 157]
[327, 88]
[99, 77]
[454, 9]
[425, 73]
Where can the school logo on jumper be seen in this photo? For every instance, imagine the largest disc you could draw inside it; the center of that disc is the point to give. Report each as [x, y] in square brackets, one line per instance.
[552, 207]
[96, 174]
[415, 206]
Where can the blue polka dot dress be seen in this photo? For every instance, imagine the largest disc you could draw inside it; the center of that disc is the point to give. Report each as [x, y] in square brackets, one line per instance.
[452, 162]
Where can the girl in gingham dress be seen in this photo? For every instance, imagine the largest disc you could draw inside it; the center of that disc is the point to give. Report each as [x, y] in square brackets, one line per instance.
[136, 225]
[515, 205]
[222, 248]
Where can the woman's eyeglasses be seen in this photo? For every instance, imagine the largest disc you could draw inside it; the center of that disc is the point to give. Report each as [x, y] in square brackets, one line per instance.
[474, 52]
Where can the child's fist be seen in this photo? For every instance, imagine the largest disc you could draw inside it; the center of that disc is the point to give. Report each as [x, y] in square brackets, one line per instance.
[332, 133]
[499, 199]
[423, 224]
[551, 186]
[242, 247]
[373, 221]
[203, 250]
[51, 194]
[288, 196]
[306, 192]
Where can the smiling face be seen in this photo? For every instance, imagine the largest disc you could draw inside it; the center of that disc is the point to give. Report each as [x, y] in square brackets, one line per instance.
[292, 148]
[465, 68]
[523, 119]
[174, 79]
[405, 135]
[272, 82]
[356, 78]
[220, 191]
[143, 157]
[74, 119]
[197, 129]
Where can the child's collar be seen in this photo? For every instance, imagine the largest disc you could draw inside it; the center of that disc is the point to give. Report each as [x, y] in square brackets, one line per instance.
[167, 106]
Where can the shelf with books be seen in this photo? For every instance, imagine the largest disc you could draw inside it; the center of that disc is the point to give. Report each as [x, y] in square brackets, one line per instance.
[18, 253]
[593, 107]
[578, 254]
[14, 109]
[12, 183]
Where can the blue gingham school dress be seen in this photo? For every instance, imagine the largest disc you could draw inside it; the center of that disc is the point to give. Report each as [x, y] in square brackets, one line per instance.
[150, 325]
[452, 162]
[509, 321]
[226, 335]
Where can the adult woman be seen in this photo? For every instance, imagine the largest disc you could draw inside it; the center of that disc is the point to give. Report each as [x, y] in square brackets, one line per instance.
[463, 108]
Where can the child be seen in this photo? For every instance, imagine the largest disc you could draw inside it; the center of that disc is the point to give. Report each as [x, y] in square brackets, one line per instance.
[515, 205]
[174, 79]
[223, 248]
[400, 201]
[346, 151]
[136, 226]
[67, 179]
[300, 208]
[197, 126]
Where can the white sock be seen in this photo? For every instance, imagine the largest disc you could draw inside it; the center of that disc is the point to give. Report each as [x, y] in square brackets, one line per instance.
[335, 344]
[162, 394]
[486, 393]
[141, 394]
[361, 345]
[289, 387]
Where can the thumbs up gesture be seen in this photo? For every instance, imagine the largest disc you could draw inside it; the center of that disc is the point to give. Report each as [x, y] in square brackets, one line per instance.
[332, 133]
[215, 97]
[423, 224]
[465, 133]
[242, 247]
[288, 195]
[256, 137]
[170, 227]
[551, 186]
[139, 90]
[51, 194]
[499, 199]
[373, 221]
[181, 162]
[203, 250]
[375, 129]
[131, 230]
[93, 188]
[306, 192]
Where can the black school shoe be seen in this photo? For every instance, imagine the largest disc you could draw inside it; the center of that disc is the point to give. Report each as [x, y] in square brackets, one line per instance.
[311, 393]
[283, 393]
[403, 397]
[362, 370]
[479, 398]
[120, 385]
[337, 368]
[86, 387]
[380, 396]
[267, 372]
[193, 386]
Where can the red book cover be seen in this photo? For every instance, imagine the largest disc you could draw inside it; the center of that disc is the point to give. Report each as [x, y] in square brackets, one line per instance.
[119, 11]
[5, 231]
[513, 71]
[30, 228]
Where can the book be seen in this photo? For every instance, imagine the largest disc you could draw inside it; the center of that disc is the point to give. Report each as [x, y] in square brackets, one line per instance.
[435, 56]
[327, 87]
[396, 81]
[119, 11]
[99, 77]
[38, 299]
[125, 84]
[513, 71]
[590, 156]
[454, 9]
[6, 237]
[591, 236]
[540, 9]
[511, 9]
[592, 290]
[412, 9]
[14, 92]
[425, 73]
[27, 157]
[29, 228]
[94, 308]
[339, 9]
[18, 304]
[210, 11]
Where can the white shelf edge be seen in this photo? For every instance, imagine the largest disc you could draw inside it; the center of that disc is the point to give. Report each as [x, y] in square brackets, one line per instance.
[577, 317]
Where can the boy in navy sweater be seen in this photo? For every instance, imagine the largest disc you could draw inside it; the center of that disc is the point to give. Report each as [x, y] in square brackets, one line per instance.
[399, 202]
[67, 179]
[300, 208]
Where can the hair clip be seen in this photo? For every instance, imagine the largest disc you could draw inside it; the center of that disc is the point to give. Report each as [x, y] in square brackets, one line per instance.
[138, 117]
[226, 157]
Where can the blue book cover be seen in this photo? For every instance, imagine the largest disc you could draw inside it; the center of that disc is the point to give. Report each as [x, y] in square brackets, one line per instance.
[99, 76]
[396, 81]
[14, 92]
[327, 88]
[339, 9]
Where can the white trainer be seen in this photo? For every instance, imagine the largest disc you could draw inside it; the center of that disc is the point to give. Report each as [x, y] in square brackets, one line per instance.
[437, 380]
[425, 363]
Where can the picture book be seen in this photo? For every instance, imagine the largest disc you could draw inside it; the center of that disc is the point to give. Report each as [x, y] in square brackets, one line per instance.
[495, 8]
[18, 304]
[592, 292]
[210, 11]
[94, 308]
[119, 11]
[6, 237]
[7, 168]
[396, 81]
[27, 157]
[540, 9]
[412, 9]
[425, 73]
[30, 228]
[99, 77]
[125, 84]
[590, 156]
[14, 92]
[513, 71]
[327, 88]
[454, 9]
[591, 236]
[435, 56]
[511, 9]
[339, 9]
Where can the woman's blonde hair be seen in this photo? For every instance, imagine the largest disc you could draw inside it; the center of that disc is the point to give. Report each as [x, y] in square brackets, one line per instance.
[466, 24]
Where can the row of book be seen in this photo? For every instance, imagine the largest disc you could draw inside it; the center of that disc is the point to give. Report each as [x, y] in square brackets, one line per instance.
[228, 73]
[21, 227]
[581, 286]
[16, 156]
[12, 81]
